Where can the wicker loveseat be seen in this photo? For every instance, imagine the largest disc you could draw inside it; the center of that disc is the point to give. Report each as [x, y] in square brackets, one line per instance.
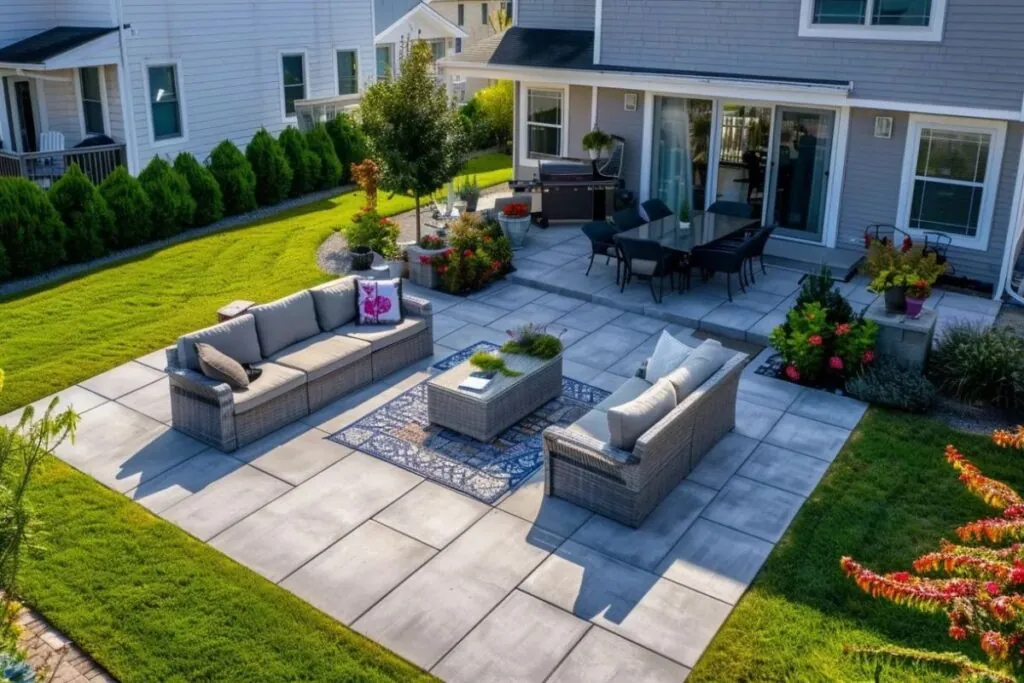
[582, 466]
[310, 351]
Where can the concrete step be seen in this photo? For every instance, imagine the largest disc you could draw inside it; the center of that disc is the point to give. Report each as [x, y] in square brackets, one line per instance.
[809, 258]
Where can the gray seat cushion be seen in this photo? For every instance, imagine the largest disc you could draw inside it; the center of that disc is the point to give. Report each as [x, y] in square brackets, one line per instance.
[335, 302]
[275, 381]
[641, 266]
[630, 389]
[629, 421]
[704, 361]
[322, 354]
[593, 424]
[283, 322]
[222, 367]
[236, 338]
[382, 336]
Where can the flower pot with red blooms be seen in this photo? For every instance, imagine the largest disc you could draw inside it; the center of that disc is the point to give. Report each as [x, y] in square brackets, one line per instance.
[515, 223]
[895, 269]
[421, 257]
[917, 294]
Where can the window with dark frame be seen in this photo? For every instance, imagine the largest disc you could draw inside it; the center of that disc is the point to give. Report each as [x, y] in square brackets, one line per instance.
[462, 14]
[92, 100]
[164, 104]
[294, 81]
[348, 72]
[483, 13]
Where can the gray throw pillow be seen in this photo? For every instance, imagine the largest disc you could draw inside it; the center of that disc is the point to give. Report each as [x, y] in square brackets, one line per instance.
[222, 367]
[629, 421]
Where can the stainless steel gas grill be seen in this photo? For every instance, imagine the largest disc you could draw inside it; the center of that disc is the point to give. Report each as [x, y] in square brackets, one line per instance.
[575, 190]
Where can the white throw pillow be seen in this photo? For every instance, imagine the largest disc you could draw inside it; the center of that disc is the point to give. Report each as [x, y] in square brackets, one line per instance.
[380, 302]
[668, 355]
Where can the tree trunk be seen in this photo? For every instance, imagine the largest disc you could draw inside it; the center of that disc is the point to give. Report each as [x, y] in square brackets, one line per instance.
[418, 235]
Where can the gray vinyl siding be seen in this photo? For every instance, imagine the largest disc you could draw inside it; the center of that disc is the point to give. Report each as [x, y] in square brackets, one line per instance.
[114, 103]
[613, 118]
[560, 14]
[871, 189]
[62, 107]
[579, 120]
[979, 63]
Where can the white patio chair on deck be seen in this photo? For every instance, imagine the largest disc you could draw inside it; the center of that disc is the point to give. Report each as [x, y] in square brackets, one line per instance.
[51, 168]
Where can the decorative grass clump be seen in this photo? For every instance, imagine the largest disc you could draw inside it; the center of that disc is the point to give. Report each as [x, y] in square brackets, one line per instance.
[488, 362]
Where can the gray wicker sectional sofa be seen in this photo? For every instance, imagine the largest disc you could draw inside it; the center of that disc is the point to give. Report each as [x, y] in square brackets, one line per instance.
[584, 467]
[311, 351]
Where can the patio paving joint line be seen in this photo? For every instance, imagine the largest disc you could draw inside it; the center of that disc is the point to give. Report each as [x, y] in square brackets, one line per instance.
[590, 627]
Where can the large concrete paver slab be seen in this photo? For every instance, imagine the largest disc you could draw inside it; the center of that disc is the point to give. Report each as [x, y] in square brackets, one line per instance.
[523, 639]
[755, 420]
[559, 301]
[548, 257]
[668, 618]
[754, 508]
[603, 657]
[590, 317]
[282, 536]
[840, 411]
[432, 514]
[437, 606]
[646, 546]
[156, 360]
[353, 574]
[809, 437]
[122, 380]
[605, 347]
[152, 400]
[123, 449]
[470, 334]
[579, 371]
[715, 560]
[769, 392]
[640, 323]
[554, 514]
[731, 320]
[474, 312]
[181, 481]
[530, 313]
[224, 502]
[512, 297]
[444, 324]
[293, 453]
[75, 397]
[722, 461]
[689, 309]
[784, 469]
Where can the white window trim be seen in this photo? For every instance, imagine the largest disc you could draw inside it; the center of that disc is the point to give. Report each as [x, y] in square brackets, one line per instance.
[179, 82]
[524, 89]
[997, 129]
[866, 31]
[103, 102]
[359, 70]
[281, 54]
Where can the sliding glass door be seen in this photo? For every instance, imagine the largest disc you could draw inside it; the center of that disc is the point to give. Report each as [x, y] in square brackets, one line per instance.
[802, 155]
[682, 138]
[743, 155]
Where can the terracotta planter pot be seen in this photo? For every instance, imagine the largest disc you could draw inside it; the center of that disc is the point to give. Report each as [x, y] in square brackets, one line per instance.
[914, 307]
[896, 300]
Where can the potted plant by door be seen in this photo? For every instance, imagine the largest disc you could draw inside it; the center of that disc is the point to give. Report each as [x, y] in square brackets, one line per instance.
[515, 222]
[895, 269]
[917, 294]
[596, 142]
[469, 192]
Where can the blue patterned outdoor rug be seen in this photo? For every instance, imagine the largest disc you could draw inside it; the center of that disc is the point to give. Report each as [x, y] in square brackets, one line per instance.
[399, 433]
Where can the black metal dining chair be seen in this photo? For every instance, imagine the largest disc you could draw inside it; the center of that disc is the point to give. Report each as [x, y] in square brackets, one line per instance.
[647, 260]
[656, 210]
[737, 209]
[724, 259]
[627, 219]
[939, 243]
[601, 234]
[888, 233]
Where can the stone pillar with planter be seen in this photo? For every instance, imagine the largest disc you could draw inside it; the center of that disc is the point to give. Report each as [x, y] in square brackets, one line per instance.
[901, 338]
[420, 273]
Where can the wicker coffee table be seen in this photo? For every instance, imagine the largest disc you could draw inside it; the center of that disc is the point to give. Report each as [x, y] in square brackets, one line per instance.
[506, 400]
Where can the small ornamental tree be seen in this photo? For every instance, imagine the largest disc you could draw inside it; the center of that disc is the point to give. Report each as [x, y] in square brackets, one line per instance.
[349, 142]
[203, 187]
[31, 230]
[131, 208]
[168, 191]
[85, 214]
[235, 176]
[367, 177]
[982, 592]
[414, 129]
[269, 163]
[329, 172]
[304, 164]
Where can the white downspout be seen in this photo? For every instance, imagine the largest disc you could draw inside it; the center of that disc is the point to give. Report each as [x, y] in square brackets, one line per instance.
[1014, 235]
[124, 83]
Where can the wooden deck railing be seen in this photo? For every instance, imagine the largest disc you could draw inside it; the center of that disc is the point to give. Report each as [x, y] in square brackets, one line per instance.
[46, 167]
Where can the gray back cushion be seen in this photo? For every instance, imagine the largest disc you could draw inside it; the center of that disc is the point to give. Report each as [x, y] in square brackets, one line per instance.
[629, 421]
[283, 322]
[704, 361]
[336, 302]
[236, 338]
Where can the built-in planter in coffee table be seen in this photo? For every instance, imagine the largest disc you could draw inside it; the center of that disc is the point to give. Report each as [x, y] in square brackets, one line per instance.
[506, 400]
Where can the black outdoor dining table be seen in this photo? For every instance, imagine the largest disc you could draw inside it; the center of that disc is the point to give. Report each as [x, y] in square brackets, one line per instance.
[704, 228]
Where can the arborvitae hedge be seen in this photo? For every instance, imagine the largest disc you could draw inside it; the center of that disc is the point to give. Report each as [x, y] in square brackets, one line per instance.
[204, 189]
[173, 206]
[349, 143]
[235, 176]
[319, 143]
[88, 220]
[31, 230]
[269, 163]
[131, 208]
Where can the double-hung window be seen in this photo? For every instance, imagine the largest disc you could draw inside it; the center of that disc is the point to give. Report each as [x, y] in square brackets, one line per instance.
[348, 72]
[950, 178]
[873, 19]
[164, 102]
[92, 100]
[293, 77]
[545, 117]
[384, 61]
[462, 14]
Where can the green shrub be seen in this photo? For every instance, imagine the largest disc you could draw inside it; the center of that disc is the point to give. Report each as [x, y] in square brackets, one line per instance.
[269, 163]
[89, 222]
[203, 187]
[30, 228]
[304, 164]
[369, 229]
[349, 143]
[889, 385]
[329, 171]
[171, 199]
[820, 288]
[478, 253]
[131, 208]
[235, 176]
[5, 264]
[980, 365]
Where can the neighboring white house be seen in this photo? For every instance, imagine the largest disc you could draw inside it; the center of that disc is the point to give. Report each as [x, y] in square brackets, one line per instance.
[479, 19]
[398, 22]
[165, 77]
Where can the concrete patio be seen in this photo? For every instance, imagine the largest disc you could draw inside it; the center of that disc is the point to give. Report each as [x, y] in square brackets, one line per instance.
[527, 589]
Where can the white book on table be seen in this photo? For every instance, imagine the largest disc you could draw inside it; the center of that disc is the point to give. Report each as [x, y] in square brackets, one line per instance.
[477, 381]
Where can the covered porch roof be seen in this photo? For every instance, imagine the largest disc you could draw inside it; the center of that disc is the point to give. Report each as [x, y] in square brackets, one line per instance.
[62, 47]
[562, 56]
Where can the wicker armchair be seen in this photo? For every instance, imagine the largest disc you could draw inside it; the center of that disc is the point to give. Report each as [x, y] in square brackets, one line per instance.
[626, 486]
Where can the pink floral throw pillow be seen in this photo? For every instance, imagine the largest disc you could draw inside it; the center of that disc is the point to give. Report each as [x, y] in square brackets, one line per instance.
[379, 302]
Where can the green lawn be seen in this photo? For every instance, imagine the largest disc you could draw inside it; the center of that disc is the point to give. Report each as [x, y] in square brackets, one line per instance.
[151, 603]
[60, 335]
[888, 498]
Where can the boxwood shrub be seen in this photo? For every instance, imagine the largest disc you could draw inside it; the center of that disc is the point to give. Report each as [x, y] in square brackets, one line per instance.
[131, 208]
[319, 143]
[203, 187]
[235, 176]
[168, 191]
[269, 163]
[31, 230]
[304, 164]
[88, 221]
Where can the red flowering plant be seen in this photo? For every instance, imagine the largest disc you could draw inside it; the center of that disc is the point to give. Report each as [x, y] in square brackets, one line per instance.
[907, 267]
[816, 351]
[431, 242]
[515, 210]
[478, 254]
[977, 582]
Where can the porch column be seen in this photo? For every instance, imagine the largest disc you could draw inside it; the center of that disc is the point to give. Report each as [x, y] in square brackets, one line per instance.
[6, 130]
